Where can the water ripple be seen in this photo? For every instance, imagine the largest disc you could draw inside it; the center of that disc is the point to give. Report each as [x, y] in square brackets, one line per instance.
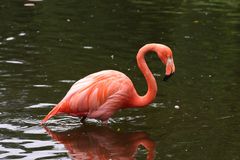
[158, 105]
[67, 81]
[9, 38]
[14, 62]
[42, 86]
[41, 105]
[26, 144]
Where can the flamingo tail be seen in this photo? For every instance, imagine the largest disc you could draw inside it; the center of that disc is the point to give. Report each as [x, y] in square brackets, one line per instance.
[53, 112]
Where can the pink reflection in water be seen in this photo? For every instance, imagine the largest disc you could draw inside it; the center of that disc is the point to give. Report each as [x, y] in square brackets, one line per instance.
[103, 143]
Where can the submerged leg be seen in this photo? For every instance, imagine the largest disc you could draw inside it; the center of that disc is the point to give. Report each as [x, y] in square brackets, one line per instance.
[83, 119]
[105, 122]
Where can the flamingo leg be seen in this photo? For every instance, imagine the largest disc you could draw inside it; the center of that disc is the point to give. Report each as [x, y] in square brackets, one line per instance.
[82, 120]
[105, 122]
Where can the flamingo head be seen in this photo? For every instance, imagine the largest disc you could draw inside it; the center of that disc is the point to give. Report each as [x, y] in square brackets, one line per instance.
[166, 56]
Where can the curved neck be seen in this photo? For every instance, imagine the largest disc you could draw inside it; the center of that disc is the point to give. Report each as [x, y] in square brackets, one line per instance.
[141, 101]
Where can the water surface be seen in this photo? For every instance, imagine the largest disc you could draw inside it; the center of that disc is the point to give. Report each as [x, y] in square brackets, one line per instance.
[45, 48]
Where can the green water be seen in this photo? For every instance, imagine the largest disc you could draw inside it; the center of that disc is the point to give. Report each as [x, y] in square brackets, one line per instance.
[46, 48]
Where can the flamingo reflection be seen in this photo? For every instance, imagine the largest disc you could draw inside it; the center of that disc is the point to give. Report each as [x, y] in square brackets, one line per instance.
[103, 143]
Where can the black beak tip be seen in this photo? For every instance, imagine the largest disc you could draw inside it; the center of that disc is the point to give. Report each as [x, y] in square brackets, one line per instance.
[166, 77]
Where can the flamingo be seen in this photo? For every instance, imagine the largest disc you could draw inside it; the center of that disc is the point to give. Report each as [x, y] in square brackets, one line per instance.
[101, 94]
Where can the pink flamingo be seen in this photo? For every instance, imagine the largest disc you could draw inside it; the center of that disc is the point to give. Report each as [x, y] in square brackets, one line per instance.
[100, 95]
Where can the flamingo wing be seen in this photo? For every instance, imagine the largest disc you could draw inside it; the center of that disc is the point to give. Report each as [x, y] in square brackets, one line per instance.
[98, 95]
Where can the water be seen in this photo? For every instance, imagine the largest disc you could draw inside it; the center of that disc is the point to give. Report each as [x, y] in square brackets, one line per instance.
[46, 47]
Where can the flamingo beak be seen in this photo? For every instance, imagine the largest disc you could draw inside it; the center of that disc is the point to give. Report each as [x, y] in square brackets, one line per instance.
[166, 77]
[170, 69]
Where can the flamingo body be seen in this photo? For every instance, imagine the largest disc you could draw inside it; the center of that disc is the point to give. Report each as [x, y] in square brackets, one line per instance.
[100, 95]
